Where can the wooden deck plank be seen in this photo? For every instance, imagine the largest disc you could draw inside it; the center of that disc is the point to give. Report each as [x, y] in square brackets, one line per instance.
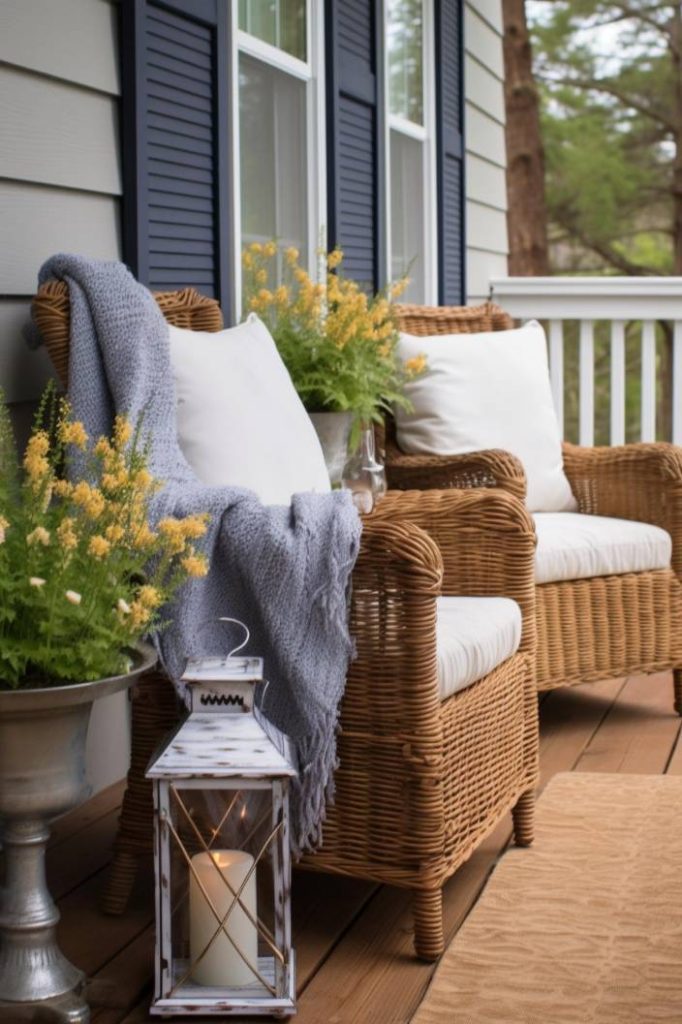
[70, 824]
[639, 732]
[353, 940]
[78, 857]
[374, 966]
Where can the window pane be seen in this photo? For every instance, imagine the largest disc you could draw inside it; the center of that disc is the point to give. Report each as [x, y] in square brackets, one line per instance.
[281, 23]
[405, 54]
[407, 214]
[272, 140]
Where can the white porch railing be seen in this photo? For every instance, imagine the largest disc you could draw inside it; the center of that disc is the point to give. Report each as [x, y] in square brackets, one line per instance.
[626, 305]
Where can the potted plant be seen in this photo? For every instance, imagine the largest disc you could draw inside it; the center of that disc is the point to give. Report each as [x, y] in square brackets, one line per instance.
[83, 578]
[338, 343]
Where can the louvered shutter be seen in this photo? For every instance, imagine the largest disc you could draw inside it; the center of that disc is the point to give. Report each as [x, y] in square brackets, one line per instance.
[450, 163]
[175, 138]
[355, 147]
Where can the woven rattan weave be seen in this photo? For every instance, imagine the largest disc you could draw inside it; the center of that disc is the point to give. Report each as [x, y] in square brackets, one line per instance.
[420, 782]
[593, 628]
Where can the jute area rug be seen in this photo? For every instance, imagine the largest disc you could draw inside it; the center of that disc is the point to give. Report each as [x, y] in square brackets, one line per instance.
[585, 927]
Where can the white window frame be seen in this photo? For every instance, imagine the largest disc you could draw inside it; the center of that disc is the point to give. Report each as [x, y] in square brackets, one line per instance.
[426, 134]
[312, 72]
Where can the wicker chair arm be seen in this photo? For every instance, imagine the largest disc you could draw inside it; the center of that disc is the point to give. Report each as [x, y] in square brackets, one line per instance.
[391, 683]
[486, 540]
[492, 468]
[633, 481]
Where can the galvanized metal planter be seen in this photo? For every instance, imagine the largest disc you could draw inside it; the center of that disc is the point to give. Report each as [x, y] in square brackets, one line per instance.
[223, 871]
[42, 775]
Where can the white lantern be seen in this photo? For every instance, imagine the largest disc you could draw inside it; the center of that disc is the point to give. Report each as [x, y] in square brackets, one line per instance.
[223, 870]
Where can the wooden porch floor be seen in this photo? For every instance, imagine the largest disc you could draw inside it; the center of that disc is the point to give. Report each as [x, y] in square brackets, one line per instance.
[353, 941]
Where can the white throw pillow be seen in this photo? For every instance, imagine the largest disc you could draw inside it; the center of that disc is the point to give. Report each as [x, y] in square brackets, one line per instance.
[488, 390]
[240, 421]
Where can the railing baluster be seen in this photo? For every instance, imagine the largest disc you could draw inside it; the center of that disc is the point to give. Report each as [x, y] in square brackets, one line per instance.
[556, 368]
[648, 405]
[586, 397]
[677, 383]
[618, 382]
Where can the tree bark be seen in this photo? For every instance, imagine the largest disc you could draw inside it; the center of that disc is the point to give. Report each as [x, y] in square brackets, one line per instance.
[527, 212]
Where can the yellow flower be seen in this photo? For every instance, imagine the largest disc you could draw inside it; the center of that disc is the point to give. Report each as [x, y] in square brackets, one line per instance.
[195, 565]
[66, 534]
[256, 247]
[291, 255]
[36, 581]
[282, 295]
[36, 463]
[103, 447]
[73, 596]
[247, 259]
[89, 498]
[415, 365]
[99, 547]
[39, 536]
[139, 615]
[194, 527]
[265, 296]
[335, 258]
[144, 538]
[114, 533]
[261, 276]
[73, 433]
[270, 248]
[63, 489]
[149, 597]
[122, 431]
[398, 287]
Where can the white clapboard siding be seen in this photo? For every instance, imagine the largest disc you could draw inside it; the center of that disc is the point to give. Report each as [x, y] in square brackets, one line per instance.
[38, 220]
[482, 40]
[70, 39]
[486, 187]
[23, 373]
[483, 89]
[57, 134]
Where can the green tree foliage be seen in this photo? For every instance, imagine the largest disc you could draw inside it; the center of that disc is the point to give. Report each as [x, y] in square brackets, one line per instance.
[611, 124]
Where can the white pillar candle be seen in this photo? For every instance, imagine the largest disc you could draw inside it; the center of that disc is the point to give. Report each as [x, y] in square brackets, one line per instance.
[222, 966]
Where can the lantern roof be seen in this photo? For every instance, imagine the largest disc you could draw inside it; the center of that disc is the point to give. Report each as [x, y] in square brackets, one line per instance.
[222, 746]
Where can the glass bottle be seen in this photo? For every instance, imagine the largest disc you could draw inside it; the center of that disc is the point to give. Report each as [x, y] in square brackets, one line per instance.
[363, 473]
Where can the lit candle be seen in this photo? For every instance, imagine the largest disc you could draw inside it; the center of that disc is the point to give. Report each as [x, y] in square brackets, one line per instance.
[222, 966]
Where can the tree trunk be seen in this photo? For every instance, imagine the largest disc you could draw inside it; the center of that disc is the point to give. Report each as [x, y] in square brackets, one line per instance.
[527, 213]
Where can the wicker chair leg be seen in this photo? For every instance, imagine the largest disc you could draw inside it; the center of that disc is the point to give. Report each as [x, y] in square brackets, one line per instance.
[119, 883]
[523, 815]
[677, 682]
[428, 923]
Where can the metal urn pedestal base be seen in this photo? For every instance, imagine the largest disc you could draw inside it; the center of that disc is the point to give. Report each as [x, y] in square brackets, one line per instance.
[42, 775]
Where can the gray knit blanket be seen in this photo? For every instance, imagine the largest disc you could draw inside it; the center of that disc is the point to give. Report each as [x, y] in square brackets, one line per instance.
[284, 572]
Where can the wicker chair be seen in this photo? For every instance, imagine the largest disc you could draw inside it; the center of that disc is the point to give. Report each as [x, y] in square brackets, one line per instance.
[587, 629]
[420, 781]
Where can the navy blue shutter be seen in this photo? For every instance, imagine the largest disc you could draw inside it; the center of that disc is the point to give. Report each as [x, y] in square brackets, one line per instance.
[450, 145]
[355, 137]
[175, 130]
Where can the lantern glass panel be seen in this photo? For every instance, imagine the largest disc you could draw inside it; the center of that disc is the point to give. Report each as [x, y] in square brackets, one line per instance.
[224, 870]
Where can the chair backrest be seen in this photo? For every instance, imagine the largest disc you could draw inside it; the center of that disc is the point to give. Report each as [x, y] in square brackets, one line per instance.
[52, 315]
[426, 321]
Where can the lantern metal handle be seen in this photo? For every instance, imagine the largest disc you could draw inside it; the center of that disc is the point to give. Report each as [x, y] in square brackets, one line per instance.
[236, 622]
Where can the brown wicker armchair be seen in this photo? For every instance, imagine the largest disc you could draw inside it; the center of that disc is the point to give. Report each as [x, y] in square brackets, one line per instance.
[420, 781]
[587, 629]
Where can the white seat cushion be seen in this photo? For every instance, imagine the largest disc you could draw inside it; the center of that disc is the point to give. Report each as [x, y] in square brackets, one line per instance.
[488, 390]
[572, 546]
[474, 636]
[240, 421]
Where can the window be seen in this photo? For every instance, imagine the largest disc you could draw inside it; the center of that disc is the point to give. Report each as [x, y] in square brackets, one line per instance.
[411, 147]
[278, 172]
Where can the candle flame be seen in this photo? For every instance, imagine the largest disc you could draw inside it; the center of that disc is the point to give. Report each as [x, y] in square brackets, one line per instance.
[242, 816]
